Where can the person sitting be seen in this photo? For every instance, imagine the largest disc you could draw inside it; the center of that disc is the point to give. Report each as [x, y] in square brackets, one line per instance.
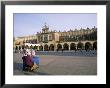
[27, 61]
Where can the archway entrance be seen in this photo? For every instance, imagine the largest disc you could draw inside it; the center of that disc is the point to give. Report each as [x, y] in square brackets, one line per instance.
[95, 45]
[88, 46]
[41, 48]
[31, 47]
[80, 46]
[23, 46]
[59, 47]
[19, 47]
[36, 47]
[51, 48]
[27, 47]
[16, 48]
[65, 46]
[72, 46]
[46, 47]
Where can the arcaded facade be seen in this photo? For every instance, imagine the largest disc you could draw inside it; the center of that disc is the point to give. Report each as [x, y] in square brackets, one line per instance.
[47, 40]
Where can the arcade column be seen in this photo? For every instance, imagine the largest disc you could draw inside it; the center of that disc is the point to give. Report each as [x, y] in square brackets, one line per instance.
[69, 47]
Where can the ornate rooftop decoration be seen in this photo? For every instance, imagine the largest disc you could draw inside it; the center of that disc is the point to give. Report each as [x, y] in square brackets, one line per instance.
[45, 26]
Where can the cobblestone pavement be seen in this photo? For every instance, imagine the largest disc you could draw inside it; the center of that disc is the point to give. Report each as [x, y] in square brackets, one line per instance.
[59, 65]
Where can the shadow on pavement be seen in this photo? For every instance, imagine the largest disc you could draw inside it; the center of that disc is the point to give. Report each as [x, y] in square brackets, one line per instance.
[35, 73]
[19, 66]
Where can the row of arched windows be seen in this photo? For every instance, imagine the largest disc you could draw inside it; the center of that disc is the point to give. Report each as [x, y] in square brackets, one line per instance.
[65, 46]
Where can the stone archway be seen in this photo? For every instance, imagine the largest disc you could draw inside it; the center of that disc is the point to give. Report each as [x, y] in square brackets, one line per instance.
[36, 47]
[46, 47]
[19, 47]
[72, 46]
[51, 48]
[59, 47]
[27, 47]
[80, 46]
[16, 48]
[95, 45]
[23, 46]
[41, 48]
[88, 46]
[31, 47]
[66, 46]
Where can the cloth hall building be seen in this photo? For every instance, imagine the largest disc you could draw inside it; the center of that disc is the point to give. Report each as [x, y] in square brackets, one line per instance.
[47, 40]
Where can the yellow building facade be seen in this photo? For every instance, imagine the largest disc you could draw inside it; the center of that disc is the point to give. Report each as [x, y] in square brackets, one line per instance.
[56, 40]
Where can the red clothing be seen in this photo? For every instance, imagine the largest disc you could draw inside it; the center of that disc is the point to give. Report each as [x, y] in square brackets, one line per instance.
[27, 60]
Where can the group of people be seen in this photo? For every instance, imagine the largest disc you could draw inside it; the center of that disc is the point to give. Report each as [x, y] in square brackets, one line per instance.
[30, 60]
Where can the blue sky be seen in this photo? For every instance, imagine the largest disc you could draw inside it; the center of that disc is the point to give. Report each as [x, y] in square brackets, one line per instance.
[31, 23]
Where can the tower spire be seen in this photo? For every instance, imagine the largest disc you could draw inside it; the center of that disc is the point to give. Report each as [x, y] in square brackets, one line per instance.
[45, 25]
[45, 28]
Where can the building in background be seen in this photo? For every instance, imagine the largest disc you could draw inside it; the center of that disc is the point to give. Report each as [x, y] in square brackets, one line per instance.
[47, 40]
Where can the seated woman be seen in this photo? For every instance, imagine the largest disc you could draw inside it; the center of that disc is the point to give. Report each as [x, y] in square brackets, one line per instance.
[27, 61]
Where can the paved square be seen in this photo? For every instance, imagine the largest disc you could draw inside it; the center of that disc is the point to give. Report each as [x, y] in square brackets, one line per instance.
[59, 65]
